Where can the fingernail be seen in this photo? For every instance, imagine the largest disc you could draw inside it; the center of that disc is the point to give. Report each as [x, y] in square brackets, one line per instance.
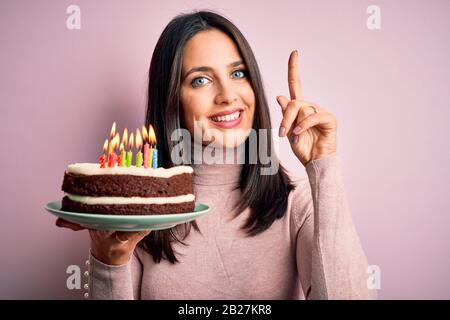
[282, 131]
[297, 130]
[295, 139]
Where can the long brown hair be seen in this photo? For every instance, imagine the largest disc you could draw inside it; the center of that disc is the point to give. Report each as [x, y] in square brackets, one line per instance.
[265, 195]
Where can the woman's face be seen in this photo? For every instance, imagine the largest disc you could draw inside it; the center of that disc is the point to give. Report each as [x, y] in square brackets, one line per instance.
[216, 94]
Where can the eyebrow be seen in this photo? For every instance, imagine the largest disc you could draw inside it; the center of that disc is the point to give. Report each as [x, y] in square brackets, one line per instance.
[206, 68]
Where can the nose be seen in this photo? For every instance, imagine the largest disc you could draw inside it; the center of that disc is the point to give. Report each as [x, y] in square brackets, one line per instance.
[227, 94]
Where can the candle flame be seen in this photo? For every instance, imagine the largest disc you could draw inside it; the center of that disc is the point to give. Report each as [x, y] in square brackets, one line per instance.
[152, 135]
[121, 148]
[125, 137]
[138, 140]
[116, 141]
[113, 130]
[131, 141]
[144, 134]
[105, 146]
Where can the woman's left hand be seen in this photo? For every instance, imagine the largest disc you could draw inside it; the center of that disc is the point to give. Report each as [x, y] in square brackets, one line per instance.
[311, 129]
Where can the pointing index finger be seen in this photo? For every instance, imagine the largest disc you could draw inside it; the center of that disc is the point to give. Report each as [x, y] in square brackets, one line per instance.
[295, 87]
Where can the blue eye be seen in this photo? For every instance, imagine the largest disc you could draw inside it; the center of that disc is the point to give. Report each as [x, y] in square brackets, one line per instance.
[196, 83]
[242, 72]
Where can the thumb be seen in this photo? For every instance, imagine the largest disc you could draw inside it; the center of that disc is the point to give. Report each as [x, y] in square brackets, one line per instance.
[67, 224]
[283, 102]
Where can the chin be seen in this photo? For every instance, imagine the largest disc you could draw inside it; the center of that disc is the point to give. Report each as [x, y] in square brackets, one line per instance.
[225, 138]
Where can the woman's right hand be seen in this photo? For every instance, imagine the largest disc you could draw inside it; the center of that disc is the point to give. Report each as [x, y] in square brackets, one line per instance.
[109, 247]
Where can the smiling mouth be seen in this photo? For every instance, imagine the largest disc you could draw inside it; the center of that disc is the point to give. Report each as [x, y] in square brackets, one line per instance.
[227, 118]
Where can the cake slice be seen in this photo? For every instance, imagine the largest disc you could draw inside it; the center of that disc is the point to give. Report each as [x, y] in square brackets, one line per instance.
[128, 190]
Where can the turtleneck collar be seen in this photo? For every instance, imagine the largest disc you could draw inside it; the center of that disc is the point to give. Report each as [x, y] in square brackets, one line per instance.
[217, 174]
[213, 169]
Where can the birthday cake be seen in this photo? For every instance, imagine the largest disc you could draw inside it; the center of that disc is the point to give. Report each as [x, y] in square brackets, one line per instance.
[114, 186]
[121, 190]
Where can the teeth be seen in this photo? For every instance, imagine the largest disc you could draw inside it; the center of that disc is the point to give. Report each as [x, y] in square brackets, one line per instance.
[228, 117]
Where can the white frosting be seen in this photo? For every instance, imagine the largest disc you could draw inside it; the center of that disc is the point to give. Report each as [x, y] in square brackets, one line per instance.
[130, 200]
[94, 169]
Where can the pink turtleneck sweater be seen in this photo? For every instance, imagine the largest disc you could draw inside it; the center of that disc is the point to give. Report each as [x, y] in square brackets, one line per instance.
[313, 252]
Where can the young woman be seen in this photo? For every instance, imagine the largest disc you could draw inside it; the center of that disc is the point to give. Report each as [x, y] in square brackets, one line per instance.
[267, 236]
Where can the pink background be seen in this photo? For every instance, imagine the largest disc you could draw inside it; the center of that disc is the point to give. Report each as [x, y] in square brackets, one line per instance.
[60, 90]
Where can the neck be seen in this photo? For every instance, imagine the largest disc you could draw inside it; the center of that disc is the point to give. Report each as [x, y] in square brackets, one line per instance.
[212, 154]
[217, 166]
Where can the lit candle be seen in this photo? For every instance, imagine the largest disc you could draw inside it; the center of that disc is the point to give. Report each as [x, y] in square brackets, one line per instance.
[152, 138]
[146, 146]
[130, 150]
[138, 147]
[111, 137]
[112, 159]
[150, 152]
[123, 156]
[102, 158]
[111, 154]
[116, 145]
[125, 137]
[155, 158]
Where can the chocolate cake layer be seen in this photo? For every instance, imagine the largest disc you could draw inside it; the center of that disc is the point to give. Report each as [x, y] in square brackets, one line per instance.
[127, 209]
[127, 185]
